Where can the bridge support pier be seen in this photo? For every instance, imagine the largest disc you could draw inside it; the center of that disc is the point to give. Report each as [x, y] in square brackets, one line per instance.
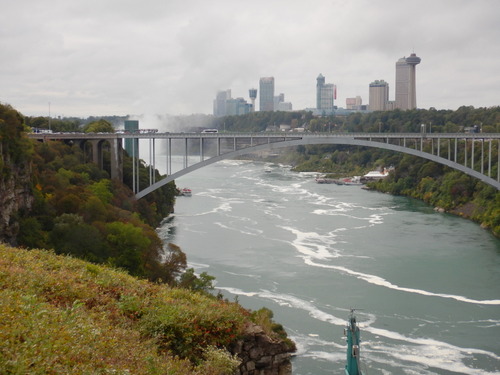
[116, 159]
[116, 156]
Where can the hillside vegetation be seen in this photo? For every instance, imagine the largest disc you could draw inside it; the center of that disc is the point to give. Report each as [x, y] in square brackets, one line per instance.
[60, 315]
[73, 207]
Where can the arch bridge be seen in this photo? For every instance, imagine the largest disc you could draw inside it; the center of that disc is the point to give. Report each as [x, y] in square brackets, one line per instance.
[470, 153]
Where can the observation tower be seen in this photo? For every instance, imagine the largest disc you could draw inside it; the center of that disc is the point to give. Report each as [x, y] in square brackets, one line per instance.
[253, 94]
[406, 92]
[412, 61]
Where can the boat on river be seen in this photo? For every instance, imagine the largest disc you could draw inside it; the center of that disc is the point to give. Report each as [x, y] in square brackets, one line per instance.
[185, 192]
[353, 364]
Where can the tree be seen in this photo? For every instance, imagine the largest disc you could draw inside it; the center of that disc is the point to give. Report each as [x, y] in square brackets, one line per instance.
[202, 283]
[128, 244]
[13, 142]
[100, 126]
[174, 264]
[102, 190]
[71, 235]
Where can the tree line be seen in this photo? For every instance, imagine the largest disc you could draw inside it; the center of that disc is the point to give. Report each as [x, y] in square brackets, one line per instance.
[410, 121]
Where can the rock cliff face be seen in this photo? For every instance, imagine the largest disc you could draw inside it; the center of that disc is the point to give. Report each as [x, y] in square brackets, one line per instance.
[263, 355]
[15, 196]
[15, 173]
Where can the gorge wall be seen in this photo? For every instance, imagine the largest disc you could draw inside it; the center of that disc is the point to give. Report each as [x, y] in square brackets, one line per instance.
[15, 196]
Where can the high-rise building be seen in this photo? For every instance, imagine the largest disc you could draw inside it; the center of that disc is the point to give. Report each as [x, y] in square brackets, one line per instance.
[280, 104]
[406, 92]
[325, 94]
[354, 103]
[277, 100]
[378, 95]
[253, 94]
[266, 88]
[236, 107]
[220, 103]
[284, 107]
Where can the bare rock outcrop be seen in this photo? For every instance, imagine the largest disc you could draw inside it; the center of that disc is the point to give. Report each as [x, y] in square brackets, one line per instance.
[15, 196]
[262, 354]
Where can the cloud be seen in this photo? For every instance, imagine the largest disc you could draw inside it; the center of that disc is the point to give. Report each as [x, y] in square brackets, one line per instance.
[129, 57]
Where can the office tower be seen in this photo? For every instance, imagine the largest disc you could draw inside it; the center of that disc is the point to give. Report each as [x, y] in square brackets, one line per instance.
[378, 95]
[354, 103]
[220, 102]
[280, 104]
[406, 92]
[284, 107]
[253, 94]
[325, 93]
[266, 87]
[277, 100]
[236, 107]
[130, 127]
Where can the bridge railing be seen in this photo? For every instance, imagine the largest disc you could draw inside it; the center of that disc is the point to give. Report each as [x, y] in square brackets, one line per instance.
[446, 146]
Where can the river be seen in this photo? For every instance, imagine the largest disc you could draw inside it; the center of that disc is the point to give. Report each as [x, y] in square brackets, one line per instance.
[426, 285]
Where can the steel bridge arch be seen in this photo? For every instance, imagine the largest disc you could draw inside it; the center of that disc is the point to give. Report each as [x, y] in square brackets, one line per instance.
[317, 141]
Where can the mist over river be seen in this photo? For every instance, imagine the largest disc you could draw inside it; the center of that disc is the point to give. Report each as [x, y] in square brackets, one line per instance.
[427, 284]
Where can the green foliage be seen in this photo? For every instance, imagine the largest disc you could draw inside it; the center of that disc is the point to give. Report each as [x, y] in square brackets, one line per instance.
[264, 318]
[72, 236]
[187, 322]
[443, 187]
[31, 233]
[102, 190]
[127, 243]
[436, 121]
[174, 263]
[15, 147]
[63, 315]
[201, 283]
[99, 126]
[260, 121]
[218, 361]
[112, 226]
[56, 124]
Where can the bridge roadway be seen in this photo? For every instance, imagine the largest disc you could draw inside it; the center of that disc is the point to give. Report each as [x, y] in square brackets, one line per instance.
[444, 148]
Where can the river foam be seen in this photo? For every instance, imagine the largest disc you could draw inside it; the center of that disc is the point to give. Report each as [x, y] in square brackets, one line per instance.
[377, 280]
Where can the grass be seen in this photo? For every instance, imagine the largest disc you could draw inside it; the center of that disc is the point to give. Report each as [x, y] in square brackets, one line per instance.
[61, 315]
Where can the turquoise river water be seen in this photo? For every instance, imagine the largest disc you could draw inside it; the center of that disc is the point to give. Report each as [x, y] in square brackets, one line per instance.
[427, 284]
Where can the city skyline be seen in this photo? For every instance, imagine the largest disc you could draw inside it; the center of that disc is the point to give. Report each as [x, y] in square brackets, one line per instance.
[121, 58]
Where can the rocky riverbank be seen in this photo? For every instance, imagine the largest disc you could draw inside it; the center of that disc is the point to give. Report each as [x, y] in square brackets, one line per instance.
[261, 354]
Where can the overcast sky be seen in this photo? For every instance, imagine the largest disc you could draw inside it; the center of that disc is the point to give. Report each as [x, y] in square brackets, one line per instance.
[119, 57]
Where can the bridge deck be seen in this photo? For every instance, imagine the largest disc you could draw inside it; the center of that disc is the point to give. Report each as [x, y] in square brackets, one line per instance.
[443, 148]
